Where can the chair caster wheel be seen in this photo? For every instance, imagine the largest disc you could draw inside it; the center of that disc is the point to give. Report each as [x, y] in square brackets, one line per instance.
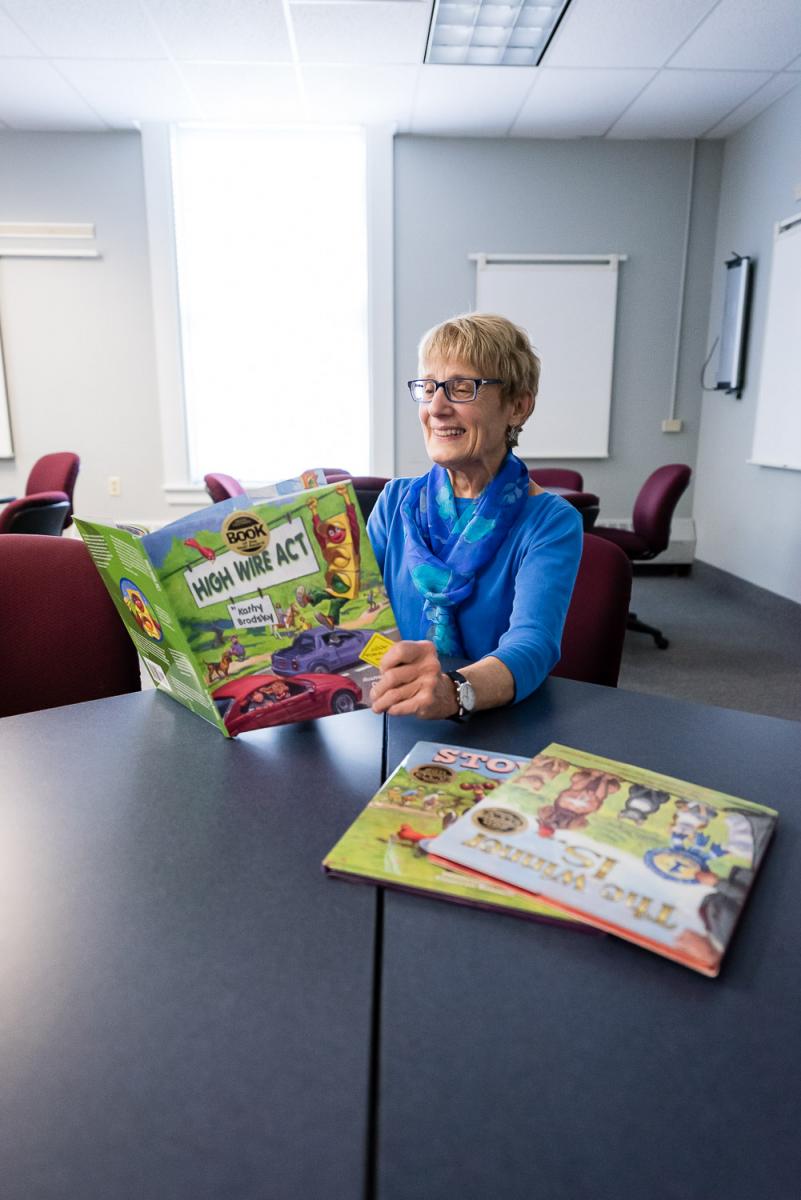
[662, 643]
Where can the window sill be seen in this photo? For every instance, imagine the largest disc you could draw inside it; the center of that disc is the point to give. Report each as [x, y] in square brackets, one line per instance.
[186, 495]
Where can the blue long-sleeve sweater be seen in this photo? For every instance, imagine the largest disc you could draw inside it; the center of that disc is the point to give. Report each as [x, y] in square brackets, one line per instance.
[518, 606]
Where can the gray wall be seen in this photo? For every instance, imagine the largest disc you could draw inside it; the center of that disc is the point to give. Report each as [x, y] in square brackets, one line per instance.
[748, 517]
[457, 196]
[78, 334]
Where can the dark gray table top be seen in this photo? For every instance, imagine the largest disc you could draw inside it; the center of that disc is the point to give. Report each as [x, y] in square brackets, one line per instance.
[524, 1061]
[185, 1000]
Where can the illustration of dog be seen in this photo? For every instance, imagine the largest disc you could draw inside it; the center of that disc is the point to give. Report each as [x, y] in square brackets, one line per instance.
[219, 670]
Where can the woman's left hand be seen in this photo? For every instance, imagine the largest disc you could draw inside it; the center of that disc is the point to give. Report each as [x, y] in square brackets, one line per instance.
[412, 683]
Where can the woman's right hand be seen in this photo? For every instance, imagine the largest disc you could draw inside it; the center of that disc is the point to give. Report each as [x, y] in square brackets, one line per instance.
[412, 683]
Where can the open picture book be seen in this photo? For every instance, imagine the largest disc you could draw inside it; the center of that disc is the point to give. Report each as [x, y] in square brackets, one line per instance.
[261, 610]
[659, 861]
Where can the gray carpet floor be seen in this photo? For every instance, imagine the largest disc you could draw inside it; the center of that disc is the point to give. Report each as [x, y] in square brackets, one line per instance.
[731, 644]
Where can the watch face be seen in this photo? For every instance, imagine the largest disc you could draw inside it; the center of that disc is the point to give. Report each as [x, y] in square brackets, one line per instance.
[467, 696]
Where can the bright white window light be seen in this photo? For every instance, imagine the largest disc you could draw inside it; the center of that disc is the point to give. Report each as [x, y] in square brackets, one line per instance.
[491, 33]
[271, 238]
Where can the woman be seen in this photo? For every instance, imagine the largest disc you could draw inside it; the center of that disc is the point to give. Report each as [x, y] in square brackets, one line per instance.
[479, 563]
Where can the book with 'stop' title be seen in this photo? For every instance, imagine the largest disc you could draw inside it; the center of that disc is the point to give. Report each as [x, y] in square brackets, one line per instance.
[262, 610]
[659, 861]
[434, 787]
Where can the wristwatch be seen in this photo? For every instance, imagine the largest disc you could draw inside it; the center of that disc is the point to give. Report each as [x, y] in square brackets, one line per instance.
[465, 696]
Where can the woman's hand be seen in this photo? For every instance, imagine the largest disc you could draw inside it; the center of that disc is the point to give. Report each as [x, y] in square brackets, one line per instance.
[412, 683]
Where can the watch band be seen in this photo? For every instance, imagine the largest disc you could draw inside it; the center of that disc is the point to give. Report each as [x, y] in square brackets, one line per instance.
[465, 696]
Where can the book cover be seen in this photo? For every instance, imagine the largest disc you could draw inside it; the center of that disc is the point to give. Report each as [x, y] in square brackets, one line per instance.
[433, 788]
[661, 862]
[257, 611]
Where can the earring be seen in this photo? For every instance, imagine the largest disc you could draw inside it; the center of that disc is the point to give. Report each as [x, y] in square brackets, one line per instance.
[512, 434]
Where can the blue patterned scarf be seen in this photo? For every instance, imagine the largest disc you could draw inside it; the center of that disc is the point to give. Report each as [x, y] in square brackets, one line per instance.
[446, 550]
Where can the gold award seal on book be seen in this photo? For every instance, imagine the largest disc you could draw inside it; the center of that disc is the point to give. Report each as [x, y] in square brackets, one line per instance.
[431, 773]
[500, 820]
[245, 533]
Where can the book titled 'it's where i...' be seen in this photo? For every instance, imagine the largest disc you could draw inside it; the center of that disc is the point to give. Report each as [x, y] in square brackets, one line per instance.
[661, 862]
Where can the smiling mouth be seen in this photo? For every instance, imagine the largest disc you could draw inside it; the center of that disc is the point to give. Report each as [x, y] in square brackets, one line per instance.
[450, 432]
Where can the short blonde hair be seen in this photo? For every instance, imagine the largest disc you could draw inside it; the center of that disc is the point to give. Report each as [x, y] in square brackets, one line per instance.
[492, 344]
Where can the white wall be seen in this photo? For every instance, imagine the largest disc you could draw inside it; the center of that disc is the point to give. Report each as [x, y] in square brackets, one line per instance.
[457, 196]
[78, 334]
[749, 517]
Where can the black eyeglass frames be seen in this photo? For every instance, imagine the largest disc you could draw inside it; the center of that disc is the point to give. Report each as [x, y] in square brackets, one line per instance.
[459, 390]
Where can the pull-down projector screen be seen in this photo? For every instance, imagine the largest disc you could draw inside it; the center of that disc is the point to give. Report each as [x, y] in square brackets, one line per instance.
[567, 305]
[777, 431]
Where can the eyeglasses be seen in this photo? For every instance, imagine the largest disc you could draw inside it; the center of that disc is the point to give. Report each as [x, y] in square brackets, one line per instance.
[458, 390]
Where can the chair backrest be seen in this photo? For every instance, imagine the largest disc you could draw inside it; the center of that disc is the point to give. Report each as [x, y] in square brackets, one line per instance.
[592, 641]
[61, 638]
[368, 488]
[222, 487]
[47, 512]
[334, 474]
[55, 473]
[557, 477]
[656, 502]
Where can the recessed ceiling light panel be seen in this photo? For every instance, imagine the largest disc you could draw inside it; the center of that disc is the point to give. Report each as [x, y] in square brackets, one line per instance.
[491, 33]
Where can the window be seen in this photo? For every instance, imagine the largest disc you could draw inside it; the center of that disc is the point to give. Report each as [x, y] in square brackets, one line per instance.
[271, 250]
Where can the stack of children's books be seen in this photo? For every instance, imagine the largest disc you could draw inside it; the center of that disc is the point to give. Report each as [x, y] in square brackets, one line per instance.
[565, 836]
[261, 610]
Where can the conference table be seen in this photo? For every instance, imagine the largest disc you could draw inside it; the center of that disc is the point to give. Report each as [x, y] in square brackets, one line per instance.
[191, 1009]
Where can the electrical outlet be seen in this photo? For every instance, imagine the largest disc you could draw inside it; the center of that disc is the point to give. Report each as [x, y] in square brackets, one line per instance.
[673, 425]
[114, 485]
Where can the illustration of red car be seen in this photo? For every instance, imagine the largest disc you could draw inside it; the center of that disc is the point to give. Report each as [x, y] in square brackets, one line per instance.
[257, 701]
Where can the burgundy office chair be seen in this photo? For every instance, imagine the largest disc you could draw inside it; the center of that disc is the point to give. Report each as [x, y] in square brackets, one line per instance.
[592, 641]
[54, 473]
[51, 481]
[222, 487]
[45, 512]
[368, 488]
[61, 638]
[557, 477]
[653, 512]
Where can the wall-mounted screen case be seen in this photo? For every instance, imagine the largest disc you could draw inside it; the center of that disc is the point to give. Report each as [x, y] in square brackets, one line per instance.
[734, 328]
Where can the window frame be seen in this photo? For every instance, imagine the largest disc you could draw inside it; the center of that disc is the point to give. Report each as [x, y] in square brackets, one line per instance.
[157, 147]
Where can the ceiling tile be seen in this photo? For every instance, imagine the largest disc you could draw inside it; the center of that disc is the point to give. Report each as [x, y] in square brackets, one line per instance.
[469, 100]
[379, 32]
[126, 92]
[223, 30]
[245, 93]
[13, 42]
[87, 28]
[685, 104]
[745, 35]
[34, 96]
[774, 89]
[577, 103]
[623, 33]
[369, 96]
